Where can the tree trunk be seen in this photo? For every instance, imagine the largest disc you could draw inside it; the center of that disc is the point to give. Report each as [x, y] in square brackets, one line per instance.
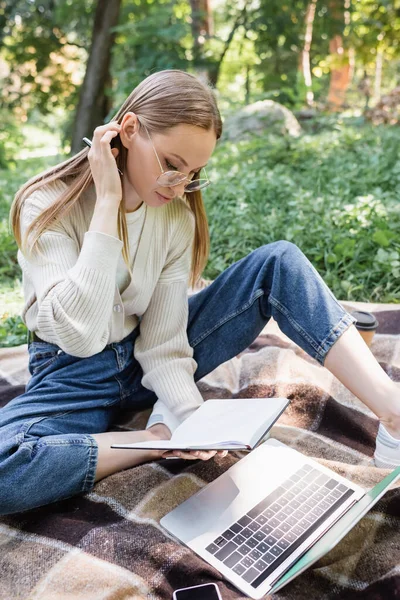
[340, 75]
[214, 69]
[94, 105]
[305, 55]
[340, 67]
[248, 85]
[378, 75]
[201, 29]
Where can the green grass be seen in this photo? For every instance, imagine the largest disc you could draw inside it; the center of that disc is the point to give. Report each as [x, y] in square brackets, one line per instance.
[334, 192]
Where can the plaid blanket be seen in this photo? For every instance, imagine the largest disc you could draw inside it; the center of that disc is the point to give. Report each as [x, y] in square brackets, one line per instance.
[108, 544]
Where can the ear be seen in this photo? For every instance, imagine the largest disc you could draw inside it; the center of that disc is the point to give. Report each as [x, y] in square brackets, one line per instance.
[129, 128]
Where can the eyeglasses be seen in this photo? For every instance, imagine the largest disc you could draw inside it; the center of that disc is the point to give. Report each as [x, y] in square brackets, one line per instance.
[171, 178]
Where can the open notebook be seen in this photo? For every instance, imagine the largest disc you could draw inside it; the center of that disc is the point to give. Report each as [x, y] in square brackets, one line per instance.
[238, 424]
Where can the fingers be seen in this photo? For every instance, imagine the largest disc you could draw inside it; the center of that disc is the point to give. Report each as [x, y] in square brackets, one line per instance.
[103, 135]
[103, 140]
[107, 137]
[105, 173]
[186, 455]
[203, 455]
[195, 454]
[180, 454]
[102, 129]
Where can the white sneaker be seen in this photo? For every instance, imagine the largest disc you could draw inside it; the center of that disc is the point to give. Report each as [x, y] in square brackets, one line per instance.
[387, 451]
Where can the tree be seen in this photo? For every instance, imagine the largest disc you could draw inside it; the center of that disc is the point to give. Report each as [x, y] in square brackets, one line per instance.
[94, 102]
[151, 36]
[208, 58]
[305, 55]
[216, 63]
[284, 31]
[339, 55]
[375, 35]
[42, 44]
[201, 30]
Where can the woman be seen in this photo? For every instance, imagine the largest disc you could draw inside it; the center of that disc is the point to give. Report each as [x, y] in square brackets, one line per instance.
[111, 332]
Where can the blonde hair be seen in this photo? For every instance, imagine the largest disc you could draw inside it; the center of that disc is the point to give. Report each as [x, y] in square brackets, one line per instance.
[161, 101]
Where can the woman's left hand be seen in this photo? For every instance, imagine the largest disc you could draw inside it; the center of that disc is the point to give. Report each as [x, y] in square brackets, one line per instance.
[160, 431]
[195, 454]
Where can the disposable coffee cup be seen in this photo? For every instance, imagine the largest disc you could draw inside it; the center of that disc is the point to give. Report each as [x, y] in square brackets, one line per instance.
[366, 325]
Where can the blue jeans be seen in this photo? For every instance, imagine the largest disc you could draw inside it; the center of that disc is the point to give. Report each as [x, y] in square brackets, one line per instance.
[47, 452]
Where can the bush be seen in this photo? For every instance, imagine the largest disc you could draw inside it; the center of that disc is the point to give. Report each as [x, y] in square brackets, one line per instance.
[334, 194]
[12, 329]
[11, 139]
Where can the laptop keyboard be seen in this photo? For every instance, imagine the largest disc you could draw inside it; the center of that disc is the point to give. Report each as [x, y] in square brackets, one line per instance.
[257, 543]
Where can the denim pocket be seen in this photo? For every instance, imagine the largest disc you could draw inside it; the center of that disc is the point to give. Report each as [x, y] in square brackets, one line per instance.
[41, 356]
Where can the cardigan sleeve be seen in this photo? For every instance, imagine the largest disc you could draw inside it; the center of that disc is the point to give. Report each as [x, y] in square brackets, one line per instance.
[162, 348]
[74, 287]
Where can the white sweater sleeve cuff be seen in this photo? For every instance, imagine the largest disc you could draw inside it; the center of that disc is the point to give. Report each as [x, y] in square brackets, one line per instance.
[161, 414]
[173, 382]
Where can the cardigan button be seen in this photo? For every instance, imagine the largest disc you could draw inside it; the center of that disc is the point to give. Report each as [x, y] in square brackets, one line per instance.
[117, 308]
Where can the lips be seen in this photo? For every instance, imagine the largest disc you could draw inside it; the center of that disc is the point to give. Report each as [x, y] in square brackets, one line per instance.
[164, 197]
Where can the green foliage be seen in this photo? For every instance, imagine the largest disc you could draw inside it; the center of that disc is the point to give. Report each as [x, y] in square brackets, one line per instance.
[13, 332]
[10, 139]
[334, 194]
[43, 44]
[375, 24]
[14, 172]
[151, 36]
[12, 329]
[280, 30]
[46, 44]
[7, 251]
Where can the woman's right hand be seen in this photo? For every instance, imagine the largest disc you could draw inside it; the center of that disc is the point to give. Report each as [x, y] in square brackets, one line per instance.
[103, 165]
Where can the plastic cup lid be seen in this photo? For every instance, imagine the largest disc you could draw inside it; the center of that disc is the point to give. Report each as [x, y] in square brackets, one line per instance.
[365, 320]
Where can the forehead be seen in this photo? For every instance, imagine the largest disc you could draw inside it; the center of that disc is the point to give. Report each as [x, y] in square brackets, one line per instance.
[194, 144]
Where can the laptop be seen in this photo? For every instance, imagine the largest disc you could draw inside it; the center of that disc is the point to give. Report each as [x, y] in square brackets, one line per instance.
[261, 532]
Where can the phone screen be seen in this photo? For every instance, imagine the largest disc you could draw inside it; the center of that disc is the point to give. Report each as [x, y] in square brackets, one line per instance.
[202, 592]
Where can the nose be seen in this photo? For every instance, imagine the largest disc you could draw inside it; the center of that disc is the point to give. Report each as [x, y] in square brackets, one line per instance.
[178, 190]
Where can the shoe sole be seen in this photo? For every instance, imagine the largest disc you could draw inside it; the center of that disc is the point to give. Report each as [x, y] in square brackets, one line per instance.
[383, 463]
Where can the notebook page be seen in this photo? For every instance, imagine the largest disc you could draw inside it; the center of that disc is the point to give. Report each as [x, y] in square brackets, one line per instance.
[227, 421]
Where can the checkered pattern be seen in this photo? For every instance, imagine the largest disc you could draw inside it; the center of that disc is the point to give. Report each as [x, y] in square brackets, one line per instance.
[109, 544]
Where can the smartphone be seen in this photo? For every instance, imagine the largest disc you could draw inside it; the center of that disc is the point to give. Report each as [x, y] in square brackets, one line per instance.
[206, 591]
